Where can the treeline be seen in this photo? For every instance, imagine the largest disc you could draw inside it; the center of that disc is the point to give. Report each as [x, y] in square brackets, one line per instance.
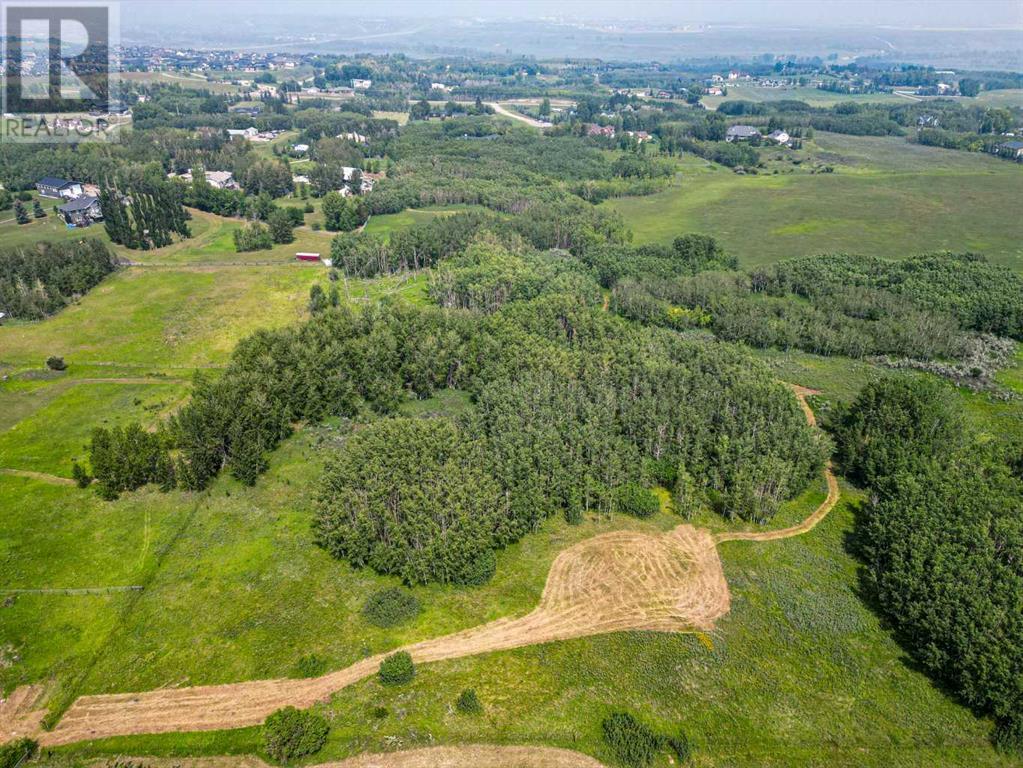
[38, 280]
[927, 307]
[485, 162]
[567, 224]
[942, 536]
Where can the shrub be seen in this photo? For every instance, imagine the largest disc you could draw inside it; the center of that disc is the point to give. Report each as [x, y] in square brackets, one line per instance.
[681, 747]
[635, 500]
[14, 753]
[310, 665]
[55, 363]
[468, 702]
[632, 743]
[397, 669]
[289, 733]
[82, 478]
[391, 607]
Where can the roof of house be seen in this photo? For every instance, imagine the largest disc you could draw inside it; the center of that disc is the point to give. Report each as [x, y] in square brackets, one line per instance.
[1012, 145]
[53, 181]
[78, 204]
[742, 130]
[776, 134]
[221, 177]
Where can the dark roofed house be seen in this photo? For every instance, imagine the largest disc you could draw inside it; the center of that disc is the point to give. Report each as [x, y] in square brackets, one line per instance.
[741, 133]
[82, 211]
[60, 189]
[1013, 149]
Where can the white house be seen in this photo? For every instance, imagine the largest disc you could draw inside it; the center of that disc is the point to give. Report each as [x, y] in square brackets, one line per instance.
[779, 137]
[361, 85]
[301, 148]
[242, 133]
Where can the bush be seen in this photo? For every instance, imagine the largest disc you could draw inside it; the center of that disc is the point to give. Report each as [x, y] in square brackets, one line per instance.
[1008, 736]
[635, 500]
[391, 607]
[681, 747]
[82, 478]
[310, 665]
[55, 363]
[397, 669]
[632, 743]
[289, 733]
[468, 702]
[16, 752]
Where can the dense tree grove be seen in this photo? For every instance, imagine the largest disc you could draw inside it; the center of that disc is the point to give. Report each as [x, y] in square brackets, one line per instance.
[942, 535]
[38, 280]
[126, 458]
[143, 211]
[410, 497]
[927, 307]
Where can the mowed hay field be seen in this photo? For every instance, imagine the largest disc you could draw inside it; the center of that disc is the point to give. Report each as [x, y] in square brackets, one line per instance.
[886, 197]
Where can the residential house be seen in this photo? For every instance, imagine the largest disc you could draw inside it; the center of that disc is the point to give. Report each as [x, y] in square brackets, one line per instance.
[59, 189]
[221, 179]
[242, 133]
[1013, 149]
[600, 130]
[361, 85]
[251, 111]
[779, 137]
[81, 212]
[358, 138]
[639, 136]
[300, 148]
[741, 133]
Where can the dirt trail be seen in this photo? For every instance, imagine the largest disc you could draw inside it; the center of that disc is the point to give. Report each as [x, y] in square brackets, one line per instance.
[472, 756]
[451, 756]
[40, 476]
[516, 115]
[624, 580]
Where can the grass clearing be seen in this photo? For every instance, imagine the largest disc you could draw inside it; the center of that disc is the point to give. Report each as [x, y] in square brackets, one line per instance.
[385, 225]
[965, 203]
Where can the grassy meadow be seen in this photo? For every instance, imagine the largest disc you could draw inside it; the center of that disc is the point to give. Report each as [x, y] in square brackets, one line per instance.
[886, 197]
[800, 672]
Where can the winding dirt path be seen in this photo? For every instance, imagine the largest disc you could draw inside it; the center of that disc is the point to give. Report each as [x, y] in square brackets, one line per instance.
[624, 580]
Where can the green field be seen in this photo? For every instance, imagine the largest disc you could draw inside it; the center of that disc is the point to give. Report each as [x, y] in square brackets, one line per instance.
[235, 590]
[927, 199]
[801, 672]
[815, 97]
[386, 224]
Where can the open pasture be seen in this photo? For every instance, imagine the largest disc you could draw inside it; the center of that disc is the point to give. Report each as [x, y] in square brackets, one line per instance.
[932, 200]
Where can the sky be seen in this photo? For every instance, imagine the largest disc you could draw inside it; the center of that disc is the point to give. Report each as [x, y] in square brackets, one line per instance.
[899, 13]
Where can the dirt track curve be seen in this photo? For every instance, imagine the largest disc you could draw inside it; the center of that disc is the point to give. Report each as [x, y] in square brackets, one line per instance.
[617, 581]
